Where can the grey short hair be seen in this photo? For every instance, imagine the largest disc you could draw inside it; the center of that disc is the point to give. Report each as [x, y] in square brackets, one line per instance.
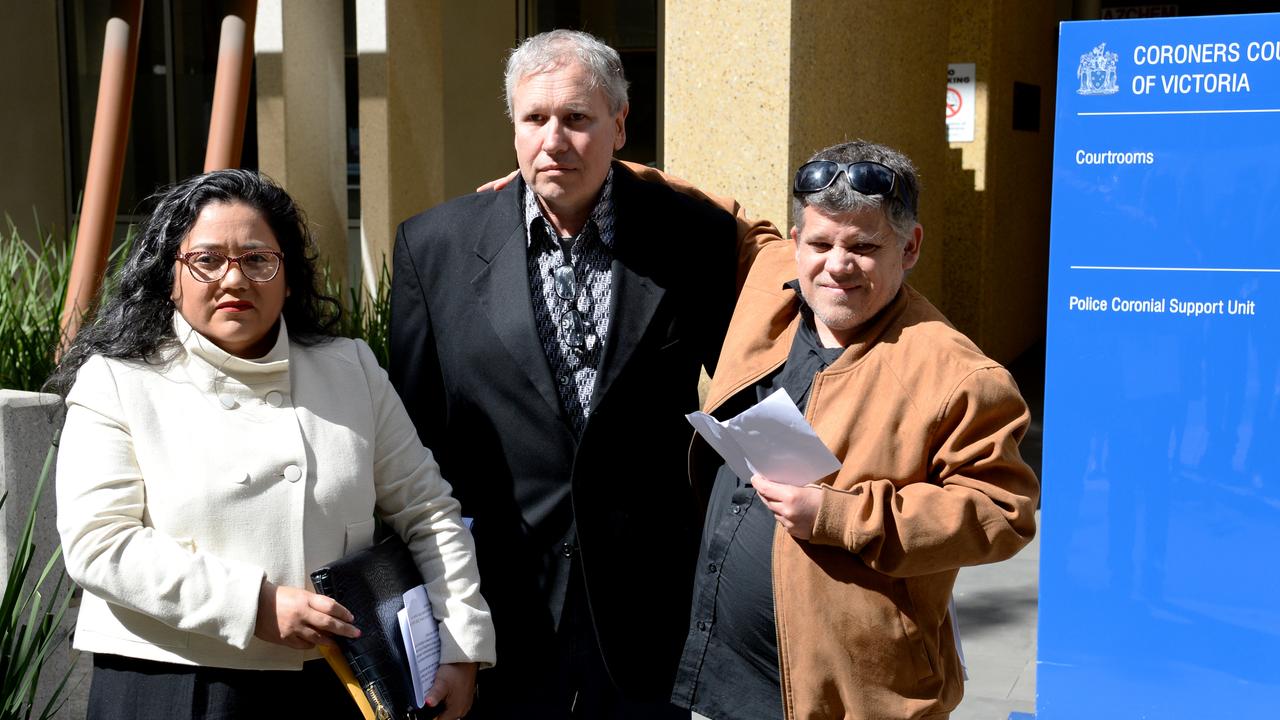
[841, 198]
[551, 50]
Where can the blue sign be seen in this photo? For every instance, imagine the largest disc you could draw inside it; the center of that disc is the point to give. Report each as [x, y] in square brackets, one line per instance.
[1160, 556]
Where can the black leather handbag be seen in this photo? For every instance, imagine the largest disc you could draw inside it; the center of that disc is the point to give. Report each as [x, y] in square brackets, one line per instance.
[371, 584]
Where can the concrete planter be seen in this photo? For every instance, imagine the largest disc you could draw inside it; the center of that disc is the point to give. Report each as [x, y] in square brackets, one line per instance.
[26, 432]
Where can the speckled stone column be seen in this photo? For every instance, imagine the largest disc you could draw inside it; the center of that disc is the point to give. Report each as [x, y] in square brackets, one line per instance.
[302, 136]
[433, 122]
[753, 88]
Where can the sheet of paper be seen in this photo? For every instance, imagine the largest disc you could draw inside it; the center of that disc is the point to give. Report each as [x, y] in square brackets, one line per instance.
[721, 440]
[771, 438]
[955, 631]
[421, 641]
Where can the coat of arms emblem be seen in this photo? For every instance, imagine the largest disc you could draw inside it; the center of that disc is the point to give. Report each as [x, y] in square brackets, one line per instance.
[1097, 72]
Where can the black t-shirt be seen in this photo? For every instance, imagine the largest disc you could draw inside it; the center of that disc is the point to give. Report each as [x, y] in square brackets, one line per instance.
[729, 668]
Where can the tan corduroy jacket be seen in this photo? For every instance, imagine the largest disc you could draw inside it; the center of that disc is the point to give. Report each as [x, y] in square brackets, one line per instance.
[927, 429]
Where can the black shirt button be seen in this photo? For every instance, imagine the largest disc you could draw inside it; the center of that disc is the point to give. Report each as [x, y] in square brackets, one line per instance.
[702, 625]
[566, 550]
[736, 509]
[711, 567]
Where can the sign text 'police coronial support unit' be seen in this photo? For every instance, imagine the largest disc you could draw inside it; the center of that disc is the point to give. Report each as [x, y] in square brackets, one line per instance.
[1172, 306]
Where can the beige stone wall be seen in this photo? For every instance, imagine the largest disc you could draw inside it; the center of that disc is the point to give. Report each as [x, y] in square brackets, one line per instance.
[32, 174]
[478, 140]
[400, 73]
[998, 191]
[1020, 172]
[433, 123]
[876, 71]
[302, 114]
[726, 98]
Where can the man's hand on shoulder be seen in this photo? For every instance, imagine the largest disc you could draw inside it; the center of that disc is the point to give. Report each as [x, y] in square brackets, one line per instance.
[795, 508]
[498, 184]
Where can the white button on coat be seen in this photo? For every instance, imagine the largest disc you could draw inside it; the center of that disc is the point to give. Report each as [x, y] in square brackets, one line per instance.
[227, 400]
[275, 398]
[293, 473]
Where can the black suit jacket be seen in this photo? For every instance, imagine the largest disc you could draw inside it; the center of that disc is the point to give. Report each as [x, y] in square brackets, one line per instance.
[469, 365]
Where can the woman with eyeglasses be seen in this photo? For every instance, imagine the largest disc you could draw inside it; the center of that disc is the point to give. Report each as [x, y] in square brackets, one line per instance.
[219, 445]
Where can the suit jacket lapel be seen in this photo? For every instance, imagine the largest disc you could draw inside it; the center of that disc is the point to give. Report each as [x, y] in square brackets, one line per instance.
[635, 295]
[502, 288]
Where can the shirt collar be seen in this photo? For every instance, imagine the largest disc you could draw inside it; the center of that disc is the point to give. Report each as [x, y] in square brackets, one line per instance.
[216, 361]
[601, 215]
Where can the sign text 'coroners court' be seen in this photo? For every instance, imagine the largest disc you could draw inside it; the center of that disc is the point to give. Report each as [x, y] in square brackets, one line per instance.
[1178, 70]
[1170, 306]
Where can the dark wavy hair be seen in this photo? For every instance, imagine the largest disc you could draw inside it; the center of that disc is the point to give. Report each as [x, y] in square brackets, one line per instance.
[135, 321]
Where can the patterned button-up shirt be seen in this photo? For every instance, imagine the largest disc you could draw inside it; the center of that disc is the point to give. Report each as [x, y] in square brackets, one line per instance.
[591, 256]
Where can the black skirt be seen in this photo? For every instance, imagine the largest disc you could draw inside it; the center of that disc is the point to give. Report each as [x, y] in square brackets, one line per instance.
[125, 688]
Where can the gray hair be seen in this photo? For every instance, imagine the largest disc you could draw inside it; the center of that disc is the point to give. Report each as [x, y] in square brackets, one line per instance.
[840, 197]
[551, 50]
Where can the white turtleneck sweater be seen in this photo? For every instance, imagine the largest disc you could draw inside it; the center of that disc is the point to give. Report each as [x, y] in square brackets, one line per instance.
[180, 486]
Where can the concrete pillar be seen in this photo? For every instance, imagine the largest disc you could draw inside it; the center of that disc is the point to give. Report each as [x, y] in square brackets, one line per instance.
[302, 126]
[34, 177]
[753, 88]
[26, 431]
[726, 100]
[877, 71]
[432, 114]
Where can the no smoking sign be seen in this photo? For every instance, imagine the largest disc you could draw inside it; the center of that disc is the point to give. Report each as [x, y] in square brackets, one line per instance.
[960, 94]
[954, 102]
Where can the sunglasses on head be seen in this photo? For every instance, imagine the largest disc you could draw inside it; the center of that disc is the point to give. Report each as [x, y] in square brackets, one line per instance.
[867, 177]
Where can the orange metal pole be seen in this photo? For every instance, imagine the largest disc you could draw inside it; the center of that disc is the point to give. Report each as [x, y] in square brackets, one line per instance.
[106, 162]
[231, 87]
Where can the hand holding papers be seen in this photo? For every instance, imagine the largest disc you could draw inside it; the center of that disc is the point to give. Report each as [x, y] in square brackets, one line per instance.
[772, 439]
[371, 583]
[421, 638]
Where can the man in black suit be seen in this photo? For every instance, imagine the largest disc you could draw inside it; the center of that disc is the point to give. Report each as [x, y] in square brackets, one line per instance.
[547, 341]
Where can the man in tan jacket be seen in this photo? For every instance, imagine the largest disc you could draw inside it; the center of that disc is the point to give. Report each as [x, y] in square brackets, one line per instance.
[831, 600]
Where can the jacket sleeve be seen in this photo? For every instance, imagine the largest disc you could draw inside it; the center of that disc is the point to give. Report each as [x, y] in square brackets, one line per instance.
[416, 502]
[413, 366]
[752, 234]
[977, 506]
[109, 549]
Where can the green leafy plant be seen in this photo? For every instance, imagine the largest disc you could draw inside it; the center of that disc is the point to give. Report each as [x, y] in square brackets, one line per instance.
[366, 315]
[33, 283]
[33, 287]
[31, 621]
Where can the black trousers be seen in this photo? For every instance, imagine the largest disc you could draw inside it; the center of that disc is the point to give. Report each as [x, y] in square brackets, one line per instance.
[565, 682]
[125, 688]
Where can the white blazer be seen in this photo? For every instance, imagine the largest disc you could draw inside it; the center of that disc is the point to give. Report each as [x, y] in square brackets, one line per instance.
[181, 485]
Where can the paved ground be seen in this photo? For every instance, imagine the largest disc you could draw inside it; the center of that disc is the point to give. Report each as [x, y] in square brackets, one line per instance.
[997, 610]
[998, 603]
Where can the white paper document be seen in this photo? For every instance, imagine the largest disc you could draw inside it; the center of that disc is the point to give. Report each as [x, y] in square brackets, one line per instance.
[772, 439]
[421, 641]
